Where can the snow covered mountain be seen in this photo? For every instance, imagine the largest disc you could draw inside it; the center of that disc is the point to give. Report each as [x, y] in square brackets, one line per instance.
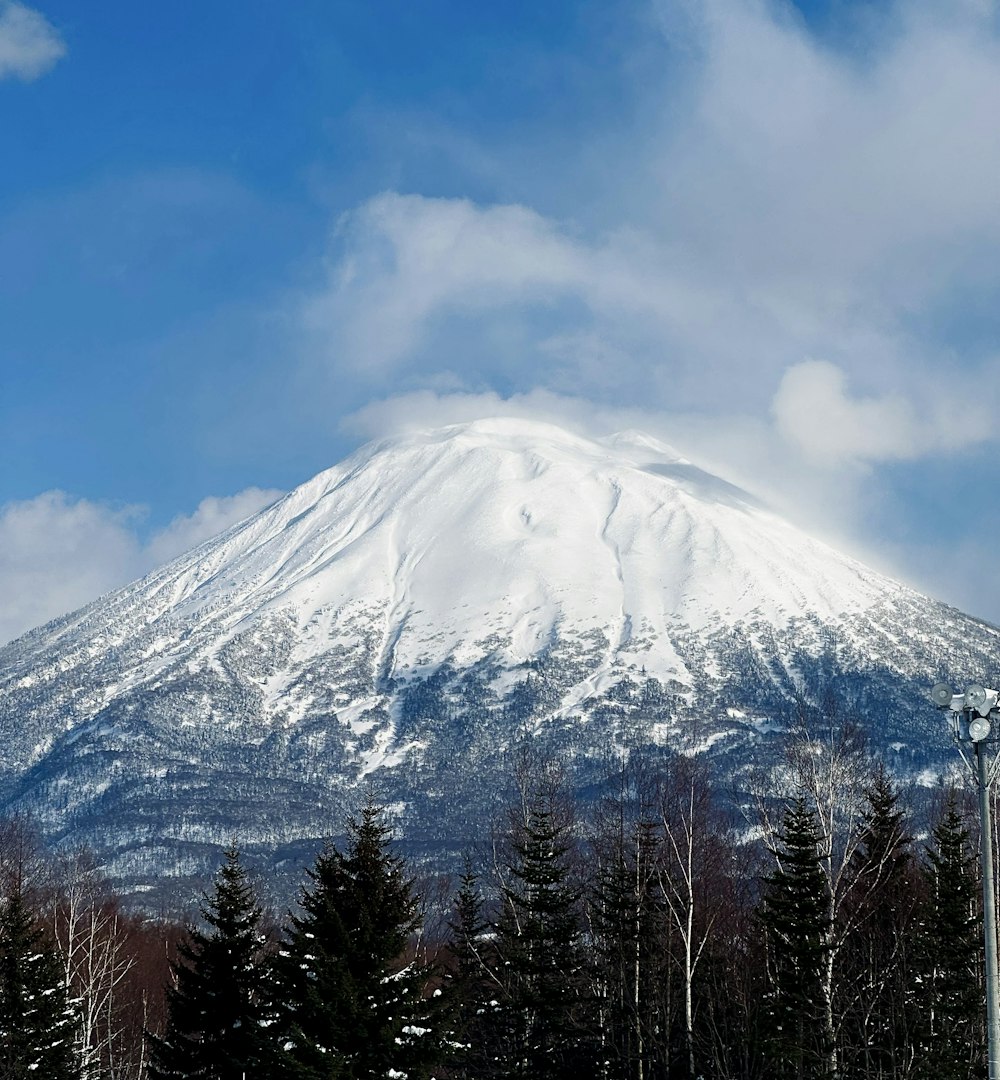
[417, 613]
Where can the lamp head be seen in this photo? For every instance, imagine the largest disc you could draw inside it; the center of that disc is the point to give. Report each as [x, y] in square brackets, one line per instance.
[941, 695]
[979, 728]
[980, 699]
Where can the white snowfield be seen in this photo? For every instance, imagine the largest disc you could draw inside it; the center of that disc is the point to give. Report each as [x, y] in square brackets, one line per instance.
[519, 526]
[502, 534]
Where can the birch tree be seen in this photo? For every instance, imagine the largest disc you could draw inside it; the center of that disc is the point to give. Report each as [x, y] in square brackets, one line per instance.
[92, 936]
[692, 871]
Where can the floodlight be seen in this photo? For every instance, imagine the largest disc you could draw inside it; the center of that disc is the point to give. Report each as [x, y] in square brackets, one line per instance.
[973, 712]
[941, 695]
[979, 728]
[975, 695]
[980, 698]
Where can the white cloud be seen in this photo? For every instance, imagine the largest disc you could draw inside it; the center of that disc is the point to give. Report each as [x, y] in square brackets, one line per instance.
[212, 516]
[427, 409]
[58, 553]
[814, 411]
[29, 44]
[796, 201]
[410, 259]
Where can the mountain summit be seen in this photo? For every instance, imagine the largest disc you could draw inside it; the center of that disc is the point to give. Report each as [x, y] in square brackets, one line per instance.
[415, 613]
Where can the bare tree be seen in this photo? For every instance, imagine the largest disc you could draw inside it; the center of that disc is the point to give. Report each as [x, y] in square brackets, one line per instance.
[92, 935]
[24, 865]
[693, 872]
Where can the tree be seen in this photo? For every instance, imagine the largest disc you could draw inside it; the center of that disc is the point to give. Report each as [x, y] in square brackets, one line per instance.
[92, 937]
[876, 975]
[542, 965]
[471, 986]
[630, 932]
[218, 1018]
[795, 914]
[38, 1024]
[350, 1000]
[950, 997]
[832, 769]
[692, 872]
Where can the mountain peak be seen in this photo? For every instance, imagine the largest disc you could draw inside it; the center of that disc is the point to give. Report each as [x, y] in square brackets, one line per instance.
[523, 433]
[416, 610]
[510, 529]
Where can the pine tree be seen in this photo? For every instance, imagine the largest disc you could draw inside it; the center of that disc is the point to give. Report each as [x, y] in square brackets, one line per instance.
[38, 1025]
[631, 932]
[471, 987]
[795, 915]
[217, 1026]
[950, 996]
[546, 999]
[351, 1005]
[876, 964]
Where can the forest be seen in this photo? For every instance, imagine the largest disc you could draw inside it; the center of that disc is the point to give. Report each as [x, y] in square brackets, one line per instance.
[816, 929]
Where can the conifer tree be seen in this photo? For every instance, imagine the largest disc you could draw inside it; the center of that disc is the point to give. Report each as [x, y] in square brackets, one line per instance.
[950, 997]
[546, 1000]
[350, 1002]
[218, 1019]
[631, 934]
[876, 964]
[38, 1025]
[795, 915]
[471, 987]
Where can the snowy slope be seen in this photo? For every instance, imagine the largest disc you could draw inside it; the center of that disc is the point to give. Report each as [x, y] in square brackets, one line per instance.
[500, 527]
[433, 595]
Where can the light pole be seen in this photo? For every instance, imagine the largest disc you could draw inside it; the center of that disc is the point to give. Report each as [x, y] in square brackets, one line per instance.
[971, 714]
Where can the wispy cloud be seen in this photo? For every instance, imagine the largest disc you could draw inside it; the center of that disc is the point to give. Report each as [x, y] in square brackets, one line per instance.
[30, 45]
[58, 553]
[806, 207]
[741, 447]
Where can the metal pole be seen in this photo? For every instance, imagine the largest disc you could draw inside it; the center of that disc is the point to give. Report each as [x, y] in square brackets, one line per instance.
[989, 916]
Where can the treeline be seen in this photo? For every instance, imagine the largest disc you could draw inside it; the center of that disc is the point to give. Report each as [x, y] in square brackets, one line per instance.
[653, 937]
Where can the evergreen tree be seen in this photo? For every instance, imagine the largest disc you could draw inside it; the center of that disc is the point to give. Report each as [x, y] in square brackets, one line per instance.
[795, 915]
[217, 1017]
[546, 994]
[950, 996]
[350, 1003]
[631, 933]
[38, 1025]
[876, 962]
[471, 987]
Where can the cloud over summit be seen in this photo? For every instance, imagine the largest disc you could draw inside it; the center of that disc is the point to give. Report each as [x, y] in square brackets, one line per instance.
[809, 203]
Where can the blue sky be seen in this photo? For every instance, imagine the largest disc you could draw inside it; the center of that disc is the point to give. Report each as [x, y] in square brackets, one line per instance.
[237, 242]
